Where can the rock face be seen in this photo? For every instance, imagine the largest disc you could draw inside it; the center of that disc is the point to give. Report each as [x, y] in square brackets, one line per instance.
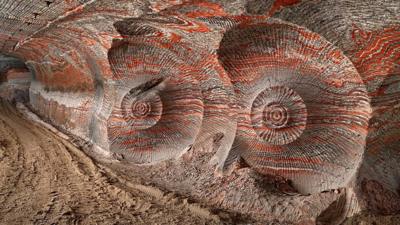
[305, 93]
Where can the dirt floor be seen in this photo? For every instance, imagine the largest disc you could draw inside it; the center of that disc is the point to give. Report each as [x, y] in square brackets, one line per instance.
[46, 180]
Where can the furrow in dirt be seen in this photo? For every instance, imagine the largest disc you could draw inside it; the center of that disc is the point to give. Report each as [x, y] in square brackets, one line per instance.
[47, 180]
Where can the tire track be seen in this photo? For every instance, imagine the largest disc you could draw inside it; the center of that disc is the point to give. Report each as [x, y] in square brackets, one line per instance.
[47, 180]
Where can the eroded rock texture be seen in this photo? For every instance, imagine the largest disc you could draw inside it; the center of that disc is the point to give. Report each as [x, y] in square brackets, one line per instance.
[304, 108]
[298, 95]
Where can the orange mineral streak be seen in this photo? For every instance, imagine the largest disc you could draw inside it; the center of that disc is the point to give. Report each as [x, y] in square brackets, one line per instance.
[376, 52]
[279, 4]
[17, 73]
[175, 38]
[206, 9]
[67, 79]
[359, 36]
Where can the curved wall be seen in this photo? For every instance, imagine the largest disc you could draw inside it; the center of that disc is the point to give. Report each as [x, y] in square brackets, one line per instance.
[304, 92]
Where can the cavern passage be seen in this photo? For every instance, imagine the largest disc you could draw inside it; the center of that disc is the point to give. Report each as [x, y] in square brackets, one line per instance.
[199, 112]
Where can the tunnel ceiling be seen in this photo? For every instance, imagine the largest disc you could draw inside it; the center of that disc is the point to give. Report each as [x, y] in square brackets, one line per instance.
[307, 91]
[21, 19]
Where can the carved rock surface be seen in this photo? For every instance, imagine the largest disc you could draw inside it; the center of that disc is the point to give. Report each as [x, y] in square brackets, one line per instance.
[169, 98]
[305, 109]
[304, 94]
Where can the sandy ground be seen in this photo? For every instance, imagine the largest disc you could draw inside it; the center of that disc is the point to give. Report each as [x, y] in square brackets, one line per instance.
[46, 180]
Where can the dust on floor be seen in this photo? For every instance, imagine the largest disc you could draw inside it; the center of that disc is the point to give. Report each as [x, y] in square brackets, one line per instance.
[46, 180]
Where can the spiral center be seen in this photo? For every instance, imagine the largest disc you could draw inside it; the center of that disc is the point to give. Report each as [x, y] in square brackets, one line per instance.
[141, 109]
[275, 116]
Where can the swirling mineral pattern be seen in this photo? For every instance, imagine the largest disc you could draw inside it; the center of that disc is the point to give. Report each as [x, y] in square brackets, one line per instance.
[304, 109]
[174, 93]
[272, 110]
[161, 115]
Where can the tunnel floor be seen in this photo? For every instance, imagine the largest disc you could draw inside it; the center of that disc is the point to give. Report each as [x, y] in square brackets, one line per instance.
[46, 180]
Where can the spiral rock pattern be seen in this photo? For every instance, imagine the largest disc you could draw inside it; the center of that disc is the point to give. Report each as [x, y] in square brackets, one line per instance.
[304, 109]
[308, 91]
[141, 112]
[279, 115]
[300, 104]
[179, 99]
[157, 123]
[160, 117]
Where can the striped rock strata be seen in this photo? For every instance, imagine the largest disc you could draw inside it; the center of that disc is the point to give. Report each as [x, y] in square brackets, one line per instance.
[305, 92]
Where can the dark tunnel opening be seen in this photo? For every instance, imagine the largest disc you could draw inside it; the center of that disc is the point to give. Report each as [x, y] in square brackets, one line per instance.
[15, 79]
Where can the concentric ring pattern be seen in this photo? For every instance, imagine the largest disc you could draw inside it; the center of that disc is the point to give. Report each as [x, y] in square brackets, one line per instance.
[181, 97]
[278, 115]
[304, 109]
[161, 116]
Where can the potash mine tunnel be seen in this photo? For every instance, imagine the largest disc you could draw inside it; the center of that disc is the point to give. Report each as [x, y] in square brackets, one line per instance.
[200, 112]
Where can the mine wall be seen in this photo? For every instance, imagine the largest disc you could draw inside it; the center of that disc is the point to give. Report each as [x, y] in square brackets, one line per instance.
[284, 111]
